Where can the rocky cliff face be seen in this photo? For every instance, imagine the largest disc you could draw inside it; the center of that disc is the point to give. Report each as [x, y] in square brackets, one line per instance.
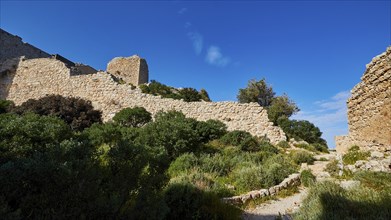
[369, 108]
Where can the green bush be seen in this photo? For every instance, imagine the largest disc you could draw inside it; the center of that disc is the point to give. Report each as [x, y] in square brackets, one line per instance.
[283, 144]
[327, 200]
[187, 94]
[277, 168]
[301, 156]
[248, 178]
[302, 130]
[6, 106]
[235, 138]
[210, 130]
[133, 117]
[307, 178]
[76, 112]
[281, 107]
[171, 134]
[190, 95]
[22, 136]
[354, 154]
[187, 202]
[332, 167]
[183, 164]
[378, 181]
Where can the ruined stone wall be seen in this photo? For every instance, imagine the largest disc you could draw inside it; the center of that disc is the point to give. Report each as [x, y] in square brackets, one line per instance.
[369, 107]
[35, 78]
[12, 46]
[132, 69]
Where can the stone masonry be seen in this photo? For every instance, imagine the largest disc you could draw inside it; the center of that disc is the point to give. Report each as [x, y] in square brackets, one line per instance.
[12, 46]
[132, 69]
[369, 108]
[23, 79]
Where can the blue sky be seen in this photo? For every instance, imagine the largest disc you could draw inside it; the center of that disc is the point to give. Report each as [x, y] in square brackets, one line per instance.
[315, 51]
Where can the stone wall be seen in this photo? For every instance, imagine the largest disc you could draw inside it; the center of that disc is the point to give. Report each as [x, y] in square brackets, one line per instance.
[291, 181]
[132, 69]
[35, 78]
[369, 107]
[12, 46]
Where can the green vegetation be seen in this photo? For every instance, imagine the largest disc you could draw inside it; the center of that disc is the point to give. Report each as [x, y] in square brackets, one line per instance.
[279, 109]
[300, 156]
[187, 94]
[132, 117]
[332, 168]
[307, 178]
[354, 154]
[129, 168]
[370, 200]
[5, 106]
[76, 112]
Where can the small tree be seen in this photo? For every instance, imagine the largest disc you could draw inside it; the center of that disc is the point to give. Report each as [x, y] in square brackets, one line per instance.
[281, 106]
[190, 95]
[259, 92]
[133, 117]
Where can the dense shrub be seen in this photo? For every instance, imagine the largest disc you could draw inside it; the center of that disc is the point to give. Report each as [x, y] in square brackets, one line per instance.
[301, 156]
[354, 154]
[307, 178]
[327, 200]
[242, 139]
[187, 94]
[302, 130]
[281, 107]
[46, 172]
[332, 167]
[76, 112]
[283, 144]
[133, 117]
[22, 136]
[210, 130]
[172, 134]
[6, 106]
[187, 202]
[183, 163]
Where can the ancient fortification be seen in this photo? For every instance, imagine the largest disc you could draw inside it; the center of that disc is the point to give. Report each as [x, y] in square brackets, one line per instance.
[133, 70]
[22, 79]
[369, 108]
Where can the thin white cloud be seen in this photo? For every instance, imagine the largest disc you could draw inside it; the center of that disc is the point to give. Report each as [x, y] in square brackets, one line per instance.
[329, 115]
[197, 40]
[187, 24]
[182, 11]
[215, 57]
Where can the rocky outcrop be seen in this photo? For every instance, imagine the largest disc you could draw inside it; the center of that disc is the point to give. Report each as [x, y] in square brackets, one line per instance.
[369, 108]
[21, 80]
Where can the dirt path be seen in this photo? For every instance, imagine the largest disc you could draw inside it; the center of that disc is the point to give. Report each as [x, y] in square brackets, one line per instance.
[270, 210]
[286, 206]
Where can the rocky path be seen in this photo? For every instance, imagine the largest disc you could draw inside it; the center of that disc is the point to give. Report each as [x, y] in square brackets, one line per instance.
[271, 209]
[286, 206]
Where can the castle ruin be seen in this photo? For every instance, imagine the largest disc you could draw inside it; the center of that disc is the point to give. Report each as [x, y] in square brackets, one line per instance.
[369, 108]
[33, 77]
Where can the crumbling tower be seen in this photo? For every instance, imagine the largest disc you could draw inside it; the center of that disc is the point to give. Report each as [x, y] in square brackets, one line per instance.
[132, 69]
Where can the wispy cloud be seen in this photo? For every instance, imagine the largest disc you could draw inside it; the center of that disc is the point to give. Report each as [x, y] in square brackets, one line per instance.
[197, 40]
[329, 115]
[182, 11]
[187, 25]
[215, 57]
